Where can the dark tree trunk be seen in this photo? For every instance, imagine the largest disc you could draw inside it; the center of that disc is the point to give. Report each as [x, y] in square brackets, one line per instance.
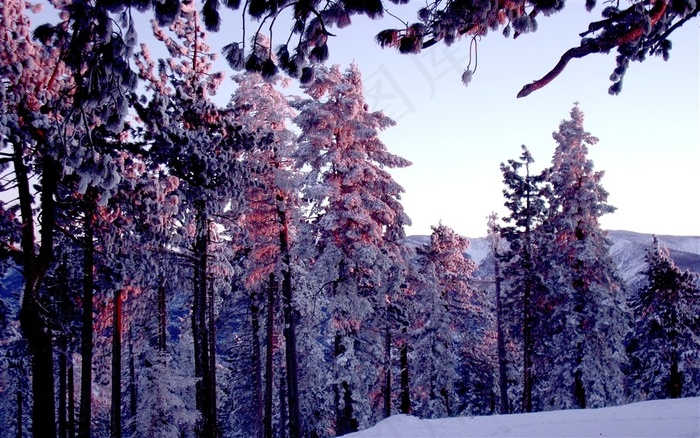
[528, 345]
[257, 367]
[85, 418]
[290, 336]
[62, 386]
[405, 407]
[212, 359]
[283, 408]
[20, 412]
[580, 284]
[528, 341]
[162, 318]
[132, 377]
[387, 368]
[271, 293]
[32, 320]
[579, 388]
[346, 419]
[345, 423]
[62, 338]
[116, 408]
[200, 329]
[71, 401]
[675, 381]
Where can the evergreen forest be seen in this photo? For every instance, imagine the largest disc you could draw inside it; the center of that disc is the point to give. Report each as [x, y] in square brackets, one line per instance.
[174, 267]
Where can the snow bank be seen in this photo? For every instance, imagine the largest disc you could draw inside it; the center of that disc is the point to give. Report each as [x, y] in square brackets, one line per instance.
[658, 418]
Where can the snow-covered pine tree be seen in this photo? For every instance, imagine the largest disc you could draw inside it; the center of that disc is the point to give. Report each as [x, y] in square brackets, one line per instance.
[144, 218]
[497, 242]
[199, 143]
[272, 211]
[356, 221]
[523, 265]
[33, 77]
[664, 345]
[440, 317]
[587, 316]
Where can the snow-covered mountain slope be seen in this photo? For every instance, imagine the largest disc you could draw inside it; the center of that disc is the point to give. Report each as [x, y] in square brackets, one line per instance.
[658, 418]
[478, 250]
[628, 250]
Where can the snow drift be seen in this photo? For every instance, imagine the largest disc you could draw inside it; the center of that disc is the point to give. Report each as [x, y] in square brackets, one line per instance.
[658, 418]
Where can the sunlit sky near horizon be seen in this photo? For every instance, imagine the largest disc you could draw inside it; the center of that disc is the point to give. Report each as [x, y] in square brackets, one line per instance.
[457, 136]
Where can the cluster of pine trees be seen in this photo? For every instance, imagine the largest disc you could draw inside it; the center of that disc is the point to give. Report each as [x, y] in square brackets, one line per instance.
[192, 269]
[574, 333]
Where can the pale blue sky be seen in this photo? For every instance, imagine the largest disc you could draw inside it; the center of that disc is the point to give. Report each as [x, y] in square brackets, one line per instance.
[457, 136]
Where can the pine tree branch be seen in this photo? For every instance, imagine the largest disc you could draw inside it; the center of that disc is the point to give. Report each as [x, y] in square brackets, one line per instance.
[603, 43]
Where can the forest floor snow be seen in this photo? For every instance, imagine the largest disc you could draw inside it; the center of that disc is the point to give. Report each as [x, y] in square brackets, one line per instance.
[657, 418]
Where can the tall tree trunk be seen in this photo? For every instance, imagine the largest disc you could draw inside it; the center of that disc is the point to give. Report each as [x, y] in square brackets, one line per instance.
[675, 381]
[162, 318]
[528, 320]
[33, 322]
[344, 411]
[20, 412]
[283, 408]
[62, 386]
[62, 338]
[133, 400]
[116, 408]
[500, 340]
[405, 407]
[200, 328]
[257, 367]
[212, 359]
[85, 418]
[387, 367]
[271, 293]
[71, 401]
[290, 336]
[528, 345]
[580, 284]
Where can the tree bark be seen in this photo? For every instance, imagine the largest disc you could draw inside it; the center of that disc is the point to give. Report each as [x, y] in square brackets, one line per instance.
[116, 408]
[62, 339]
[344, 411]
[200, 331]
[271, 292]
[211, 316]
[85, 419]
[528, 346]
[62, 386]
[290, 336]
[32, 320]
[71, 401]
[162, 318]
[20, 412]
[257, 367]
[405, 407]
[387, 368]
[528, 341]
[675, 382]
[132, 378]
[283, 408]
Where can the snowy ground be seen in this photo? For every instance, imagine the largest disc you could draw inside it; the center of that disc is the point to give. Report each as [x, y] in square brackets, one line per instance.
[659, 418]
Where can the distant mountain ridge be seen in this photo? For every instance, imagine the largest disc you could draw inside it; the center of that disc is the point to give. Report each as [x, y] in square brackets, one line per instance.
[628, 251]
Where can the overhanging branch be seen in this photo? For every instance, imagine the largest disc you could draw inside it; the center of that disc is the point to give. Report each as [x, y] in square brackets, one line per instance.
[620, 35]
